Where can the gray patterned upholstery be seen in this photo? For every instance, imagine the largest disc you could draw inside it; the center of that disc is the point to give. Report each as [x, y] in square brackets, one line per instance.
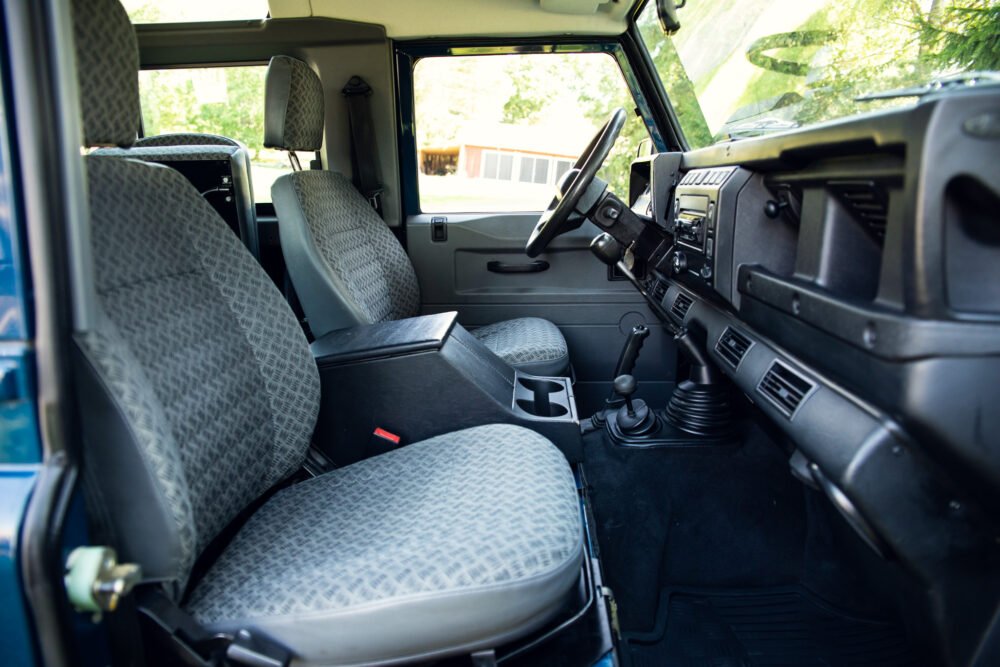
[186, 139]
[293, 110]
[465, 514]
[356, 246]
[226, 370]
[107, 58]
[530, 344]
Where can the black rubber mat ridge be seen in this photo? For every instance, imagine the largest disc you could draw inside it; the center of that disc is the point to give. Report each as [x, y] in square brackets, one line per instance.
[773, 627]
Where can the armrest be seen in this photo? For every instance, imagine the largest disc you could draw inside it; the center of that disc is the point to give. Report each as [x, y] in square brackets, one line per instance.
[385, 339]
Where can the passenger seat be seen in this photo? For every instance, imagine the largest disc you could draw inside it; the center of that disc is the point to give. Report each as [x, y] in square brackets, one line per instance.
[346, 265]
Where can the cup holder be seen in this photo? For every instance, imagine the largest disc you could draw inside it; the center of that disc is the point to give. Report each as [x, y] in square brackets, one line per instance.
[550, 409]
[541, 386]
[545, 398]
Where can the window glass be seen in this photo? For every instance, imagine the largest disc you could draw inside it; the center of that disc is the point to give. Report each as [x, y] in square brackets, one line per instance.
[228, 101]
[496, 133]
[744, 68]
[185, 11]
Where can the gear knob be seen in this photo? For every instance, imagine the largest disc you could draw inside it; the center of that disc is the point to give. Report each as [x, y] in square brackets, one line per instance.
[625, 385]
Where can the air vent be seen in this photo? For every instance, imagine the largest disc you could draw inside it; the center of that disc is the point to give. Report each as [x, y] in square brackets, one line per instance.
[681, 304]
[868, 203]
[785, 388]
[733, 346]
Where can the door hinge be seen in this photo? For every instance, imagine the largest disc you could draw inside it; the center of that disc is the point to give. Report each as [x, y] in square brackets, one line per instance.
[95, 581]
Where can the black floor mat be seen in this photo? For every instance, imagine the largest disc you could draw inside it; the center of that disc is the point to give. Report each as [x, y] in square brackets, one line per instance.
[786, 627]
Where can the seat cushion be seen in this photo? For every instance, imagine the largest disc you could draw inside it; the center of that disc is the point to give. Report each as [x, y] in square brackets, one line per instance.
[456, 543]
[529, 344]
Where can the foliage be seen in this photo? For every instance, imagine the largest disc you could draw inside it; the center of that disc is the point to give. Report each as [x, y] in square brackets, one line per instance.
[965, 35]
[842, 51]
[680, 90]
[170, 103]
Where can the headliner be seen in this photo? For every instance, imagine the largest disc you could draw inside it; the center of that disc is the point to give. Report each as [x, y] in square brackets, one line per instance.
[412, 19]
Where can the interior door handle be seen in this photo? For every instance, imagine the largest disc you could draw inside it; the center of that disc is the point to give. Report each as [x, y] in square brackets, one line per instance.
[537, 266]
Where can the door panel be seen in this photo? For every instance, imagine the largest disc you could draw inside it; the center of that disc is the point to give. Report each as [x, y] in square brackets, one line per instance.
[575, 293]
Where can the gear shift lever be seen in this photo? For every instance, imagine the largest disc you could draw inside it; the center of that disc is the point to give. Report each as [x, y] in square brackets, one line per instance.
[635, 417]
[625, 386]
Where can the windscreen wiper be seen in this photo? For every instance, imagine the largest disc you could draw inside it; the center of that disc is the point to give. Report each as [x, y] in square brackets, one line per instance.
[954, 82]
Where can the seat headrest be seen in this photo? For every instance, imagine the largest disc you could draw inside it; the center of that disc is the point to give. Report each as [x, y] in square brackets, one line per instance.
[107, 68]
[293, 111]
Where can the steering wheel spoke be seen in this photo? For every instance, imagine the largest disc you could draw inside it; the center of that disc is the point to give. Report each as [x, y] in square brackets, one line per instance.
[561, 215]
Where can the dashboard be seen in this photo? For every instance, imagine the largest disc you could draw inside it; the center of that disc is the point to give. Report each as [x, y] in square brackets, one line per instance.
[846, 278]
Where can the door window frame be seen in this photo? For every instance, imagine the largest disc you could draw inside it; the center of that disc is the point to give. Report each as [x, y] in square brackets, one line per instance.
[407, 54]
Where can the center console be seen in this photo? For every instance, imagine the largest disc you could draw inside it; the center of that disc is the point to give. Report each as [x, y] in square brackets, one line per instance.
[407, 380]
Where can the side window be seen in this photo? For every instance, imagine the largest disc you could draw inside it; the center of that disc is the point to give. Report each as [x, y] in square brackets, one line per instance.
[218, 100]
[496, 133]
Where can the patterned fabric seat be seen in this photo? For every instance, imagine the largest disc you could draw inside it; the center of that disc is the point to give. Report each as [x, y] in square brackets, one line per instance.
[199, 394]
[475, 527]
[347, 266]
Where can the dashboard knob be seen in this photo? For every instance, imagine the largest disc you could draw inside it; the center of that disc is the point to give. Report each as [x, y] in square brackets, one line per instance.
[680, 262]
[773, 209]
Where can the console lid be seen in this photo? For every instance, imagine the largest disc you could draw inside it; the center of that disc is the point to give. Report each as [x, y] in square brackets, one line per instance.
[384, 339]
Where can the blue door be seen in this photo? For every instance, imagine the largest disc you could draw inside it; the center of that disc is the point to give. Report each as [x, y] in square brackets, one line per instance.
[20, 451]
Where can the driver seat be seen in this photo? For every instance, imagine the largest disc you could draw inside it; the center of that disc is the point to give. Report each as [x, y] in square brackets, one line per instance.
[347, 267]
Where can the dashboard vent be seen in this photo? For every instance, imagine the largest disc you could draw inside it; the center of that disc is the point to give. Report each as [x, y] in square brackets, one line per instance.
[785, 388]
[868, 203]
[681, 304]
[733, 346]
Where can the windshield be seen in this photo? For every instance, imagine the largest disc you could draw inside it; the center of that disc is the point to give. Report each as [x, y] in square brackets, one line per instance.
[742, 68]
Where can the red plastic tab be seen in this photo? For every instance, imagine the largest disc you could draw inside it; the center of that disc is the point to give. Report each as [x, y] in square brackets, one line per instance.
[385, 435]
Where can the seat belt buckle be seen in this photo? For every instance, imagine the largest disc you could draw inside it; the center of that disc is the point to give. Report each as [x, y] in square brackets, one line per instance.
[375, 199]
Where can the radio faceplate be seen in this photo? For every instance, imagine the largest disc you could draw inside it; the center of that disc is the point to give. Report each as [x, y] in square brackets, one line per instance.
[694, 223]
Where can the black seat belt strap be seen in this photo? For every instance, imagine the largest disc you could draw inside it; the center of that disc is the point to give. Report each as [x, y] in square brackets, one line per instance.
[364, 151]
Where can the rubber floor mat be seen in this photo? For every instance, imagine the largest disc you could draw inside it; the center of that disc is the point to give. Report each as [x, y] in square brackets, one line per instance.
[775, 627]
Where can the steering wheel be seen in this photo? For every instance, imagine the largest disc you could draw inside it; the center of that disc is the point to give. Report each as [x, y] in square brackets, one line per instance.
[556, 219]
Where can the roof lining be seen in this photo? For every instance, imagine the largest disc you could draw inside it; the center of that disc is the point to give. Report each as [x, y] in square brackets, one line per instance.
[421, 19]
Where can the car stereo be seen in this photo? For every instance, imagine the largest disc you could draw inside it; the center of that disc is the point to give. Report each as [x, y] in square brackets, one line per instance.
[693, 225]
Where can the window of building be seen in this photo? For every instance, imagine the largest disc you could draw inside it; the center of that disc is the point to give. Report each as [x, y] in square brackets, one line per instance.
[228, 101]
[497, 132]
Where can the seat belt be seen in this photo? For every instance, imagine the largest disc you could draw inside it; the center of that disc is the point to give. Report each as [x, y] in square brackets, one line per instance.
[364, 150]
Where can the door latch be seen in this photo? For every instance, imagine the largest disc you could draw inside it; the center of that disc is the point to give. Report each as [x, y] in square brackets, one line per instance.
[95, 581]
[439, 229]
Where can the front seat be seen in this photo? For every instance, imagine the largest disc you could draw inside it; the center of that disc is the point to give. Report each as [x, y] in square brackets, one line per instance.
[345, 263]
[199, 396]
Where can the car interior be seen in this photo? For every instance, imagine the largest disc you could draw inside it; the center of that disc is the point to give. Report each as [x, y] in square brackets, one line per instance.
[330, 395]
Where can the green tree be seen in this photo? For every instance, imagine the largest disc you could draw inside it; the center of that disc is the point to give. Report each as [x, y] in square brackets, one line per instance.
[964, 34]
[527, 101]
[679, 88]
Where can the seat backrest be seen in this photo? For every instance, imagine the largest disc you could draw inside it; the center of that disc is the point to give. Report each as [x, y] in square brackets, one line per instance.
[197, 386]
[221, 171]
[185, 139]
[346, 265]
